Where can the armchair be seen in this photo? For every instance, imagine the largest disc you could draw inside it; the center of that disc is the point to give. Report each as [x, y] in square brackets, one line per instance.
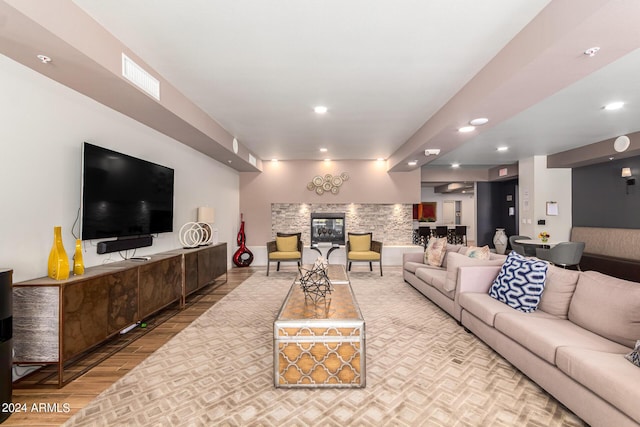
[286, 248]
[362, 248]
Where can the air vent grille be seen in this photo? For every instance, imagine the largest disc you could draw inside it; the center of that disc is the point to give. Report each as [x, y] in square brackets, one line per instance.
[252, 160]
[139, 77]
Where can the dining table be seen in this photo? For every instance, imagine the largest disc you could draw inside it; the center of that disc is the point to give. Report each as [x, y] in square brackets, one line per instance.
[538, 242]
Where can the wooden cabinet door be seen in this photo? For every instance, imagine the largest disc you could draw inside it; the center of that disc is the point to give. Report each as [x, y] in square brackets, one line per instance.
[159, 284]
[123, 300]
[190, 272]
[84, 314]
[205, 267]
[219, 255]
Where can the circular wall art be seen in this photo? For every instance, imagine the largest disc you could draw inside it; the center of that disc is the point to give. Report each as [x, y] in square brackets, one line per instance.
[327, 184]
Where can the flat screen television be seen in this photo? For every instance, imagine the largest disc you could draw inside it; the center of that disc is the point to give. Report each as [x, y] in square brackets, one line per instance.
[123, 196]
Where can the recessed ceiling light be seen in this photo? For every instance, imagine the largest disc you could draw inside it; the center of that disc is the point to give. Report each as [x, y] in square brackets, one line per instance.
[614, 105]
[412, 163]
[323, 150]
[479, 121]
[503, 148]
[455, 165]
[44, 58]
[592, 51]
[465, 129]
[320, 109]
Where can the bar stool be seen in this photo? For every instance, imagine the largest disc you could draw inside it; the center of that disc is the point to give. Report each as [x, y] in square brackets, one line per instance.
[460, 235]
[425, 234]
[442, 231]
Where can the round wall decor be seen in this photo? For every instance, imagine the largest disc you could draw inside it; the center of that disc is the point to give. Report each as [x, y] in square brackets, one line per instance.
[327, 184]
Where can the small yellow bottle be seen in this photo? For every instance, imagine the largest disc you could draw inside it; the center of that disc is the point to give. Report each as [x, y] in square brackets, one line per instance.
[78, 262]
[58, 267]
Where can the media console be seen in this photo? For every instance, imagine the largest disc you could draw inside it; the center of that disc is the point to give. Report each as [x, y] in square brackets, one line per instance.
[55, 321]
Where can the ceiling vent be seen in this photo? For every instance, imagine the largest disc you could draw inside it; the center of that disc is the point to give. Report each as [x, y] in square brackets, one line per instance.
[455, 187]
[252, 160]
[139, 77]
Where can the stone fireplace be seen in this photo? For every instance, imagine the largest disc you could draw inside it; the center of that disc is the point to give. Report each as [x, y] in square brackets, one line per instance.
[390, 223]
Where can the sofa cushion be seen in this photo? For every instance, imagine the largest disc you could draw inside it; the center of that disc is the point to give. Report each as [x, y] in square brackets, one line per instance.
[543, 334]
[428, 275]
[607, 306]
[478, 253]
[558, 290]
[634, 356]
[452, 248]
[457, 260]
[439, 282]
[411, 266]
[606, 374]
[482, 306]
[435, 252]
[520, 282]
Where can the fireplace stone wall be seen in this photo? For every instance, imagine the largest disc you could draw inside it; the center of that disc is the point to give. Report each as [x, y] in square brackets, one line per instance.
[392, 224]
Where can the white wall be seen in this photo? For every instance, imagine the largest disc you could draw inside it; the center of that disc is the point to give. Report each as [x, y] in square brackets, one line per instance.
[468, 206]
[43, 127]
[537, 186]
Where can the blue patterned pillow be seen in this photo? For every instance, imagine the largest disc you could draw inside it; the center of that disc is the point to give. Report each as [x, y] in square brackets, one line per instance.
[634, 356]
[520, 283]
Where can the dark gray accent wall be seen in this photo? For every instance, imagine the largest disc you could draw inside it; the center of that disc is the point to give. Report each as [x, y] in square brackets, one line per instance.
[493, 209]
[599, 195]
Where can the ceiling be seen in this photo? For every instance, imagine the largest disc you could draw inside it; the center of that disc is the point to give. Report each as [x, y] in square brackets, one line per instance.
[396, 77]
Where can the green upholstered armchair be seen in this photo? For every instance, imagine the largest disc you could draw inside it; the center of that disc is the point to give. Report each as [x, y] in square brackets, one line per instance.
[286, 248]
[362, 248]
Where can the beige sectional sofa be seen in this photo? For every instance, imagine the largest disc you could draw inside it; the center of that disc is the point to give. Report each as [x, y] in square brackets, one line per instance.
[438, 283]
[573, 345]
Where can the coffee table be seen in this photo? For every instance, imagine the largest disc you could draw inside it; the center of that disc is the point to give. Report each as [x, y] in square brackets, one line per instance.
[320, 343]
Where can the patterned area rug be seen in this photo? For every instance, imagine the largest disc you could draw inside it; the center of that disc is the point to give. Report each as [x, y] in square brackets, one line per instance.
[422, 369]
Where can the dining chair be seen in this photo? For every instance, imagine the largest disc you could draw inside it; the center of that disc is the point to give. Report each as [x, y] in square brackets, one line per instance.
[564, 254]
[524, 250]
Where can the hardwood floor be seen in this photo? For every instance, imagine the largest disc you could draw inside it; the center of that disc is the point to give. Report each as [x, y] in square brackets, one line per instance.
[42, 403]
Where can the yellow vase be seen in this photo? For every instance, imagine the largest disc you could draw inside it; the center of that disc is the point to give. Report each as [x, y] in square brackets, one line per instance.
[58, 260]
[78, 262]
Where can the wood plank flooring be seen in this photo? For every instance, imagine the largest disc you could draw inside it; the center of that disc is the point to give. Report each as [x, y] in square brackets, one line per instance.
[47, 405]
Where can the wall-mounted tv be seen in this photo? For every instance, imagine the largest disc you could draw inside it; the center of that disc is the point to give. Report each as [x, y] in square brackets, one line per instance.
[123, 196]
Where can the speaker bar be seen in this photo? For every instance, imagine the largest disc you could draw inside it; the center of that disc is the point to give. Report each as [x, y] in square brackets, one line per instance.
[124, 244]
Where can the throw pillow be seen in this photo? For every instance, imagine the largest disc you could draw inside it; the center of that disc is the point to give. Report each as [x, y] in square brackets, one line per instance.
[287, 244]
[435, 252]
[479, 253]
[634, 356]
[520, 282]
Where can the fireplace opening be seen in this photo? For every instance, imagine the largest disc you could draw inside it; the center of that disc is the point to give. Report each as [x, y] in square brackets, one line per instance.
[327, 227]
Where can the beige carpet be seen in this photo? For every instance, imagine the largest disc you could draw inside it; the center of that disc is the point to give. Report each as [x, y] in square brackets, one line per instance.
[422, 369]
